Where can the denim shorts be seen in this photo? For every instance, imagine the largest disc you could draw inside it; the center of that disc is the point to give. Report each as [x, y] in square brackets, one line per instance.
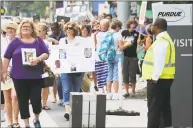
[113, 73]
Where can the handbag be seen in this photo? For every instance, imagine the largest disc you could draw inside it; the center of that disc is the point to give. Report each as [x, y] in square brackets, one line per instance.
[49, 80]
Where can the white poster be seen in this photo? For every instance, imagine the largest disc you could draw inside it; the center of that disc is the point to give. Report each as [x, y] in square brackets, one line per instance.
[153, 5]
[175, 14]
[142, 12]
[60, 11]
[27, 55]
[78, 56]
[104, 8]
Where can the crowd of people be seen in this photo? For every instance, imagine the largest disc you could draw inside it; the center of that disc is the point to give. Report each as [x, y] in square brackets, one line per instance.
[23, 84]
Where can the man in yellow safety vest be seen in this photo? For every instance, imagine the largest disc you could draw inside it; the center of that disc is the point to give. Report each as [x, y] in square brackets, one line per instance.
[159, 71]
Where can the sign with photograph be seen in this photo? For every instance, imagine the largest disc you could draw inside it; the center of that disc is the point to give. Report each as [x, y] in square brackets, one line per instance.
[27, 55]
[78, 56]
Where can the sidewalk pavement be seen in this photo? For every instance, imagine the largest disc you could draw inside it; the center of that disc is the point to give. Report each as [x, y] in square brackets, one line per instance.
[55, 116]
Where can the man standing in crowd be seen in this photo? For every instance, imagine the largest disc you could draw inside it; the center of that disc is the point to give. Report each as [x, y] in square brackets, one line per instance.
[130, 64]
[159, 71]
[57, 33]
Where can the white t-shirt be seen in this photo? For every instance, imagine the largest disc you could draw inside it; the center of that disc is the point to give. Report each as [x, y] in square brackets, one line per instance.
[4, 44]
[55, 70]
[48, 44]
[63, 40]
[117, 37]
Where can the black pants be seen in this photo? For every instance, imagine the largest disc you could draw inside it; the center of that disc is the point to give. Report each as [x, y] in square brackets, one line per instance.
[158, 101]
[2, 98]
[28, 89]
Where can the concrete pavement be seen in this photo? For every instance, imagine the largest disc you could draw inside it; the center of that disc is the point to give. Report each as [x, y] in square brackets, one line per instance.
[55, 116]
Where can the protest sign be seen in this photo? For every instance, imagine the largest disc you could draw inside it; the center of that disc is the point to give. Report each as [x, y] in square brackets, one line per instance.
[78, 56]
[142, 12]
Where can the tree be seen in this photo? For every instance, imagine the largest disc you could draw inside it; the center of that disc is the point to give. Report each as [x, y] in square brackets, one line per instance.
[36, 7]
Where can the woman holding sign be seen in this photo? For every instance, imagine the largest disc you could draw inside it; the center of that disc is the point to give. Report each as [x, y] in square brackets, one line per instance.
[71, 82]
[27, 75]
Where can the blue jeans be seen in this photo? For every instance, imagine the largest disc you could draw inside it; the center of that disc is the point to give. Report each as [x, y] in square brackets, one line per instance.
[59, 87]
[71, 83]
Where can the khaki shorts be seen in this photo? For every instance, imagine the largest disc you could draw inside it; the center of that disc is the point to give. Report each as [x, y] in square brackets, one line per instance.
[8, 84]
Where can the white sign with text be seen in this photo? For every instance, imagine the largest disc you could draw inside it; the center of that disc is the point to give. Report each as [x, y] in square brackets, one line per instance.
[142, 12]
[175, 14]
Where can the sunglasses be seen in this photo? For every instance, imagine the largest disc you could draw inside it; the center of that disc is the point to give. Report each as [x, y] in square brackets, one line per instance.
[26, 27]
[3, 33]
[70, 28]
[40, 31]
[95, 30]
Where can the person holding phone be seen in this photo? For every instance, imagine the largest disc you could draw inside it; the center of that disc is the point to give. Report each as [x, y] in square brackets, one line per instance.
[130, 64]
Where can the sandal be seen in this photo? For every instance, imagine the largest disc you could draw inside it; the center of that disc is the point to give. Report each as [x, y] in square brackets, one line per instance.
[16, 125]
[46, 108]
[54, 101]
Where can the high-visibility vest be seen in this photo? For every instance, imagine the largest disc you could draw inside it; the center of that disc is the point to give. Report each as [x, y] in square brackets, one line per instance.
[148, 63]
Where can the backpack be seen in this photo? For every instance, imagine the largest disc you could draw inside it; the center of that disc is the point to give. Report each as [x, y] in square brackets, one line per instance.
[107, 50]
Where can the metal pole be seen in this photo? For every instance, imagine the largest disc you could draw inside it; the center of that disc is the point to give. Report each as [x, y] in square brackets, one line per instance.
[51, 11]
[123, 12]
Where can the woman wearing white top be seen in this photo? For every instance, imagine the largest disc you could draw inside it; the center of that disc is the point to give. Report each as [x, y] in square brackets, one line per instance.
[86, 33]
[113, 71]
[71, 82]
[42, 32]
[11, 101]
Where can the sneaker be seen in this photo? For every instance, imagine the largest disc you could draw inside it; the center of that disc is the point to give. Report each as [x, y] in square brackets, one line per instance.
[2, 116]
[36, 123]
[132, 95]
[115, 96]
[96, 88]
[109, 96]
[126, 95]
[66, 115]
[101, 90]
[60, 103]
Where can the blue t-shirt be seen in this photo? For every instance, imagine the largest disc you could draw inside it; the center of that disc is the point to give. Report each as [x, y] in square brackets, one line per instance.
[62, 35]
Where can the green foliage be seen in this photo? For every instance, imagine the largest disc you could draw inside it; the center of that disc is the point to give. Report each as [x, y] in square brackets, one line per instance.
[36, 7]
